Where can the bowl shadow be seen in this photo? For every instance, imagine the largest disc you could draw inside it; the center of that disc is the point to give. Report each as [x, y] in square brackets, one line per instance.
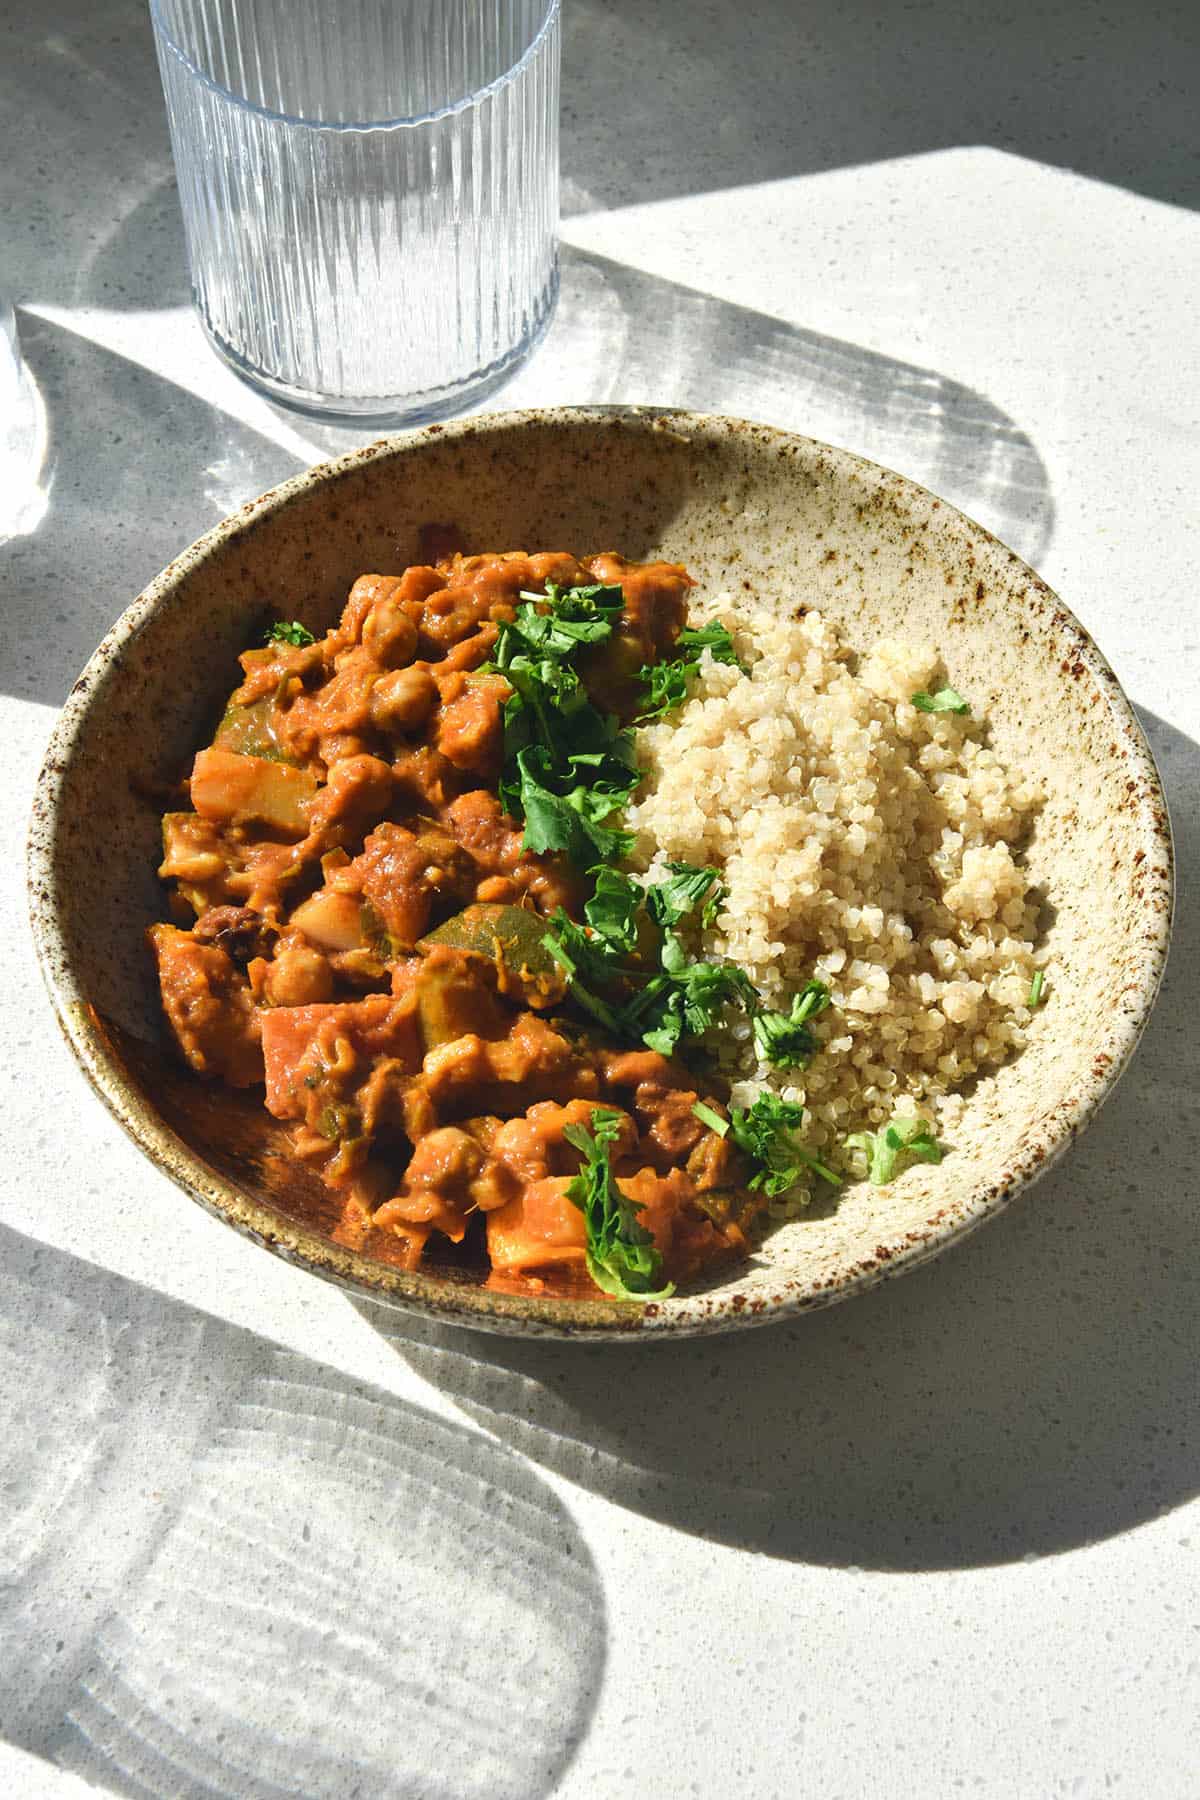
[1036, 1393]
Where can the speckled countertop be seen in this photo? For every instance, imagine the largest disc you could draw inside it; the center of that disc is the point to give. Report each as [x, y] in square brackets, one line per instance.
[258, 1541]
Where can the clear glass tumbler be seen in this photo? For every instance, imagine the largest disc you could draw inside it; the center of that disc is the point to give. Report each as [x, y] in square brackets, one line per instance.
[369, 192]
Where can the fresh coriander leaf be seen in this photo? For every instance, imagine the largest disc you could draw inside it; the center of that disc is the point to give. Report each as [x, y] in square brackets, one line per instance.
[570, 821]
[622, 1258]
[666, 684]
[687, 999]
[712, 906]
[669, 901]
[561, 637]
[654, 1003]
[549, 707]
[881, 1157]
[561, 822]
[1035, 989]
[946, 700]
[290, 631]
[613, 908]
[784, 1039]
[562, 620]
[597, 599]
[766, 1136]
[665, 1038]
[551, 822]
[706, 988]
[567, 766]
[600, 959]
[584, 963]
[907, 1135]
[715, 639]
[916, 1138]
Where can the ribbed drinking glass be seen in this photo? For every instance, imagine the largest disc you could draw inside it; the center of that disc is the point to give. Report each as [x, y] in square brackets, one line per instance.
[369, 192]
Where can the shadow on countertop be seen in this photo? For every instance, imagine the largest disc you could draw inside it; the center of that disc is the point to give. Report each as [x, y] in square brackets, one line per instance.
[1031, 1393]
[660, 98]
[230, 1570]
[672, 97]
[622, 335]
[137, 467]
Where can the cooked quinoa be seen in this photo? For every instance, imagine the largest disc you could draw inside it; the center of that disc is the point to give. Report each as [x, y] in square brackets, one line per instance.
[861, 841]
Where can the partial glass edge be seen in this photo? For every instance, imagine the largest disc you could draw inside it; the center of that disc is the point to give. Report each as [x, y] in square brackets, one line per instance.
[527, 58]
[390, 412]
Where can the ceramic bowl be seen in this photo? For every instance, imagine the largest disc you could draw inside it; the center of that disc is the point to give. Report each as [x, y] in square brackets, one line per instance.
[745, 507]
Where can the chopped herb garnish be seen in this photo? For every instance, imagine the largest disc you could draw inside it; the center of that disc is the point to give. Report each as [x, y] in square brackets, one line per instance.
[613, 908]
[633, 973]
[567, 766]
[907, 1136]
[671, 900]
[621, 1254]
[713, 637]
[589, 962]
[290, 631]
[946, 700]
[765, 1135]
[784, 1039]
[1035, 989]
[568, 816]
[666, 684]
[708, 1116]
[562, 619]
[687, 998]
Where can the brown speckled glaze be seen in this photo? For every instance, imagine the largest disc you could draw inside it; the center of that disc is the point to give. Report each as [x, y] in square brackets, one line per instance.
[745, 506]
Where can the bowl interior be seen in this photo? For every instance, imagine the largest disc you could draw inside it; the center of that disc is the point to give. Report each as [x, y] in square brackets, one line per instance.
[746, 508]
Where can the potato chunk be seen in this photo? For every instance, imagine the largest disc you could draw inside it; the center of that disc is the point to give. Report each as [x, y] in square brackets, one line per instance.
[331, 920]
[246, 790]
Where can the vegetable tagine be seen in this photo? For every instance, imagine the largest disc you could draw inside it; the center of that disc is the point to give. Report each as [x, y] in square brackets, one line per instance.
[399, 903]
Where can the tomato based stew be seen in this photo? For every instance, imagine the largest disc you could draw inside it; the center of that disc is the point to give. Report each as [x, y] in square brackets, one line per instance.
[396, 866]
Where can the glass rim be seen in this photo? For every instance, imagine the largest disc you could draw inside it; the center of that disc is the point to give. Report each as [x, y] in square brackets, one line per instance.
[405, 123]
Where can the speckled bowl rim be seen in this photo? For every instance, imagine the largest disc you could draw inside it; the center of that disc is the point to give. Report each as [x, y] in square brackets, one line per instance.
[480, 1308]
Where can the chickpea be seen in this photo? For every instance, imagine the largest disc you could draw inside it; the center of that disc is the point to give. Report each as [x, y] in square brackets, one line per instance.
[446, 1159]
[389, 635]
[299, 976]
[497, 888]
[403, 700]
[355, 795]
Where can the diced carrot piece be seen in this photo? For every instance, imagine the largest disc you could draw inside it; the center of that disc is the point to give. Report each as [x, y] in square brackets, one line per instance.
[379, 1025]
[659, 1199]
[539, 1229]
[242, 790]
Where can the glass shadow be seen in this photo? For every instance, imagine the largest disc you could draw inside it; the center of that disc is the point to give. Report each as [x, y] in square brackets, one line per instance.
[231, 1570]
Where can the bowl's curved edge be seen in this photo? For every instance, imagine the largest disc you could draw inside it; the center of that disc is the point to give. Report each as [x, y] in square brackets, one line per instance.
[601, 1320]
